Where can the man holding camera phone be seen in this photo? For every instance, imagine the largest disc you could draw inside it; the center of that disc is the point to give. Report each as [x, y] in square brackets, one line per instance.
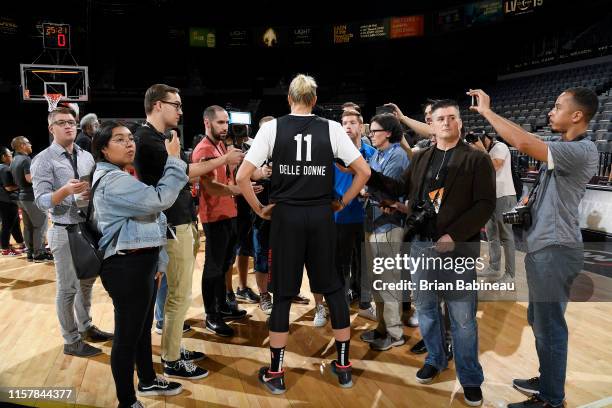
[554, 242]
[499, 233]
[451, 191]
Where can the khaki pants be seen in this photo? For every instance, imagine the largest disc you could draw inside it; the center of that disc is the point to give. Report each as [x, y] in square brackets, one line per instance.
[181, 252]
[389, 312]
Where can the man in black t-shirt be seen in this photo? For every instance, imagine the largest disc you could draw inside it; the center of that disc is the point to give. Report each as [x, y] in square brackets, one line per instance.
[163, 108]
[302, 148]
[34, 220]
[8, 206]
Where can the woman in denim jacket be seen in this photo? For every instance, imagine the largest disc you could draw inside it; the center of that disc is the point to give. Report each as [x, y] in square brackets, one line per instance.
[129, 216]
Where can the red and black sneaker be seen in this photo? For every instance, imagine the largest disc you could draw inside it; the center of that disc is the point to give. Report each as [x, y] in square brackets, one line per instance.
[275, 382]
[344, 374]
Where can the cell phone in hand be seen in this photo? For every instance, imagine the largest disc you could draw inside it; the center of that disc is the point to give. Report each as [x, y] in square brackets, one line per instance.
[86, 178]
[474, 100]
[168, 135]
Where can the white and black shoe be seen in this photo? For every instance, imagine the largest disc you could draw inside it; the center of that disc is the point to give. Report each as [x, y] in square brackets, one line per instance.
[160, 386]
[528, 387]
[472, 396]
[426, 374]
[184, 369]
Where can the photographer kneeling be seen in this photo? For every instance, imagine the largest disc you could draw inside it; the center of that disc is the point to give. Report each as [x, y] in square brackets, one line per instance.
[451, 192]
[554, 242]
[129, 216]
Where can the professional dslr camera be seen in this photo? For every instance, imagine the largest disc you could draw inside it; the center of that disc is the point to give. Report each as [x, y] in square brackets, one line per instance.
[475, 134]
[519, 215]
[421, 212]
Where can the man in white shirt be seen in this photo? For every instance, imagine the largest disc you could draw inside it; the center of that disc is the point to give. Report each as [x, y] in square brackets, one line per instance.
[499, 233]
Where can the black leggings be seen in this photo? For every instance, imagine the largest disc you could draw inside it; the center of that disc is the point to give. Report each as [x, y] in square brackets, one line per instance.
[336, 301]
[10, 224]
[130, 284]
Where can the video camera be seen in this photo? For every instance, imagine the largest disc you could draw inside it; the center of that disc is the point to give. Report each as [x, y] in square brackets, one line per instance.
[239, 128]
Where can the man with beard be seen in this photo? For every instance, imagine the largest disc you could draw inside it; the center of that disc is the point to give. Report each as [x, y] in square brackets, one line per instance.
[163, 108]
[218, 214]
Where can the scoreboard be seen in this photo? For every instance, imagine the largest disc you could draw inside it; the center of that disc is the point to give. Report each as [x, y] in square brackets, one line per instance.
[56, 36]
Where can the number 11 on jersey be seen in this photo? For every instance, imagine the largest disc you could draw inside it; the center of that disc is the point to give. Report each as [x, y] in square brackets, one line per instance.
[308, 138]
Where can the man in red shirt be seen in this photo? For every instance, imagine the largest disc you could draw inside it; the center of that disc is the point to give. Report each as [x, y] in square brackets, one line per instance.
[218, 216]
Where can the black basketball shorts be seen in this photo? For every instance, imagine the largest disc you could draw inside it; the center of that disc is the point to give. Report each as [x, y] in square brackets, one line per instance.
[303, 236]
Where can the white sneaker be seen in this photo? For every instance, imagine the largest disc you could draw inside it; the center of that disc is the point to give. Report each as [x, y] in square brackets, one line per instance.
[320, 318]
[369, 313]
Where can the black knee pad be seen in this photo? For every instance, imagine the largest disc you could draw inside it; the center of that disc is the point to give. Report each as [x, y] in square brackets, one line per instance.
[279, 318]
[338, 309]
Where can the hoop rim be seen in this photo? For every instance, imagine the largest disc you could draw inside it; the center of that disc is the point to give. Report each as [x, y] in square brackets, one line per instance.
[53, 99]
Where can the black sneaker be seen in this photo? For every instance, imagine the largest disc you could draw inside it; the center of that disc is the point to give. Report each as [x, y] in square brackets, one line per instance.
[472, 396]
[159, 327]
[247, 295]
[230, 299]
[30, 257]
[426, 374]
[528, 387]
[229, 313]
[44, 257]
[534, 402]
[184, 369]
[81, 349]
[419, 347]
[344, 374]
[192, 356]
[160, 386]
[274, 382]
[219, 327]
[95, 335]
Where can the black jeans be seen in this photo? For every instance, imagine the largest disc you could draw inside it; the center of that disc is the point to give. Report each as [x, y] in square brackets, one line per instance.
[10, 224]
[349, 239]
[221, 239]
[130, 284]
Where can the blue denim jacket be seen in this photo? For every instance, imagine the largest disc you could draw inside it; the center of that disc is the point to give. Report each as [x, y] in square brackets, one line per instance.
[125, 205]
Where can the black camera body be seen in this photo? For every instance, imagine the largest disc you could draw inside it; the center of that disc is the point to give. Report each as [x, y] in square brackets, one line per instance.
[421, 212]
[475, 134]
[519, 215]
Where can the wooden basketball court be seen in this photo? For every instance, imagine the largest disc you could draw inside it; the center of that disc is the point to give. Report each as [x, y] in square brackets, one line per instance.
[32, 354]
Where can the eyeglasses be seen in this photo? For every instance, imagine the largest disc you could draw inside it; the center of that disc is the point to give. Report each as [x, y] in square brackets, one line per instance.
[177, 105]
[62, 123]
[373, 131]
[124, 142]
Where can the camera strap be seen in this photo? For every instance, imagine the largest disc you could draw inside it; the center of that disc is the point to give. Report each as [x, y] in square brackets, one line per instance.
[228, 173]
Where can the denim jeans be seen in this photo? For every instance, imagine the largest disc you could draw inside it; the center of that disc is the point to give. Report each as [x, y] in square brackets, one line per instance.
[550, 273]
[464, 328]
[160, 300]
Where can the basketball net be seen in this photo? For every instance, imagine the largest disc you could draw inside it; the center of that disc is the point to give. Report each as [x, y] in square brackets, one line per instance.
[53, 99]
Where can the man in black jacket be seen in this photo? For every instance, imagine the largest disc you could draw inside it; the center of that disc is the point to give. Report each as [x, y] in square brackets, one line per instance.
[458, 184]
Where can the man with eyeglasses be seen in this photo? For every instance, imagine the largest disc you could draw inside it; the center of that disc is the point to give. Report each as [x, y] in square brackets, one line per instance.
[58, 174]
[163, 108]
[34, 220]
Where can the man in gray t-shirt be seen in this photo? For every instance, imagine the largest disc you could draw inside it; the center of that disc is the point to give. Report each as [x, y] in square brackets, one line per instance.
[554, 242]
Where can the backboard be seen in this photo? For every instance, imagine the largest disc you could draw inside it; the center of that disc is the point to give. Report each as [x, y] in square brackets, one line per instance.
[71, 81]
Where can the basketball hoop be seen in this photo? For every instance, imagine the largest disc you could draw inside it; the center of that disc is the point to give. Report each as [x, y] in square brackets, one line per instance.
[53, 99]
